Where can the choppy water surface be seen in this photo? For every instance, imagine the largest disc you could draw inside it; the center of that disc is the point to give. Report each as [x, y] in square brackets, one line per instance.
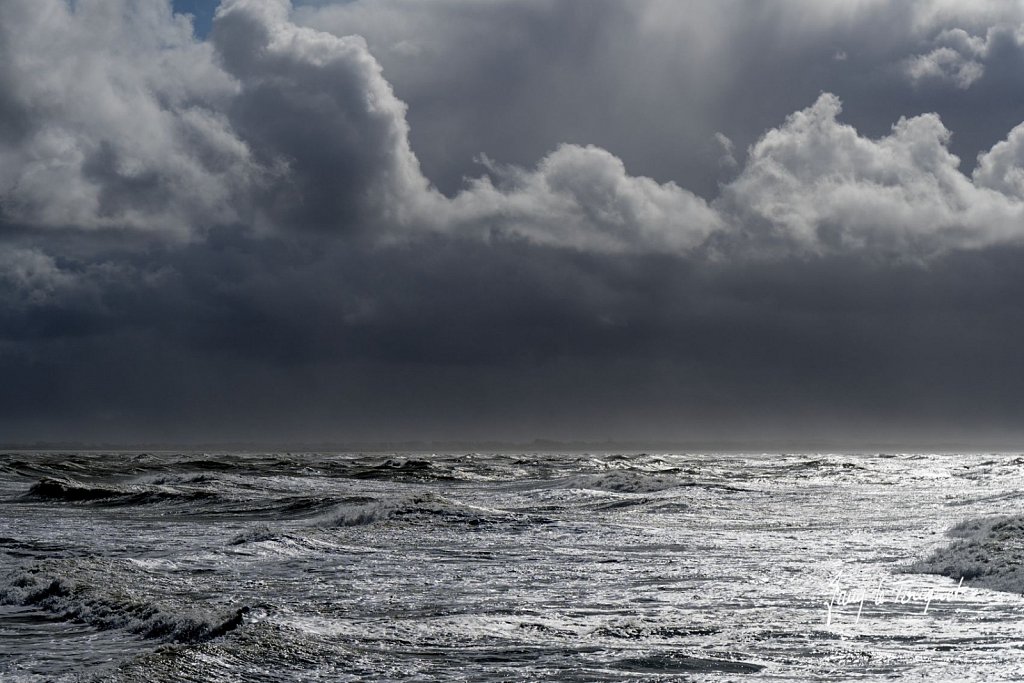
[280, 567]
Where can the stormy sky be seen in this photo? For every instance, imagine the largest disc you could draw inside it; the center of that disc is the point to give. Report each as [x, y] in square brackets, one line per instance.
[511, 219]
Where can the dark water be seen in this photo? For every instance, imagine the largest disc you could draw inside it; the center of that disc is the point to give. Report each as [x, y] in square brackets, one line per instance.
[484, 567]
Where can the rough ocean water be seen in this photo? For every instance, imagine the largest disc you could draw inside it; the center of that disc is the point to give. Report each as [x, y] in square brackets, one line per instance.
[487, 567]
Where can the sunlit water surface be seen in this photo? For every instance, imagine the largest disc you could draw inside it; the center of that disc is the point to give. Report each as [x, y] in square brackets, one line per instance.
[484, 567]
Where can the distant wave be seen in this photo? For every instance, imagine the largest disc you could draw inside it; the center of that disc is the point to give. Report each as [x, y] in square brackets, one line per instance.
[410, 509]
[632, 481]
[411, 469]
[637, 630]
[428, 507]
[623, 481]
[203, 493]
[74, 491]
[257, 534]
[680, 664]
[816, 465]
[365, 513]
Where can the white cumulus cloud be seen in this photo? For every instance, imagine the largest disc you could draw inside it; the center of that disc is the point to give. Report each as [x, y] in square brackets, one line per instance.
[818, 185]
[119, 119]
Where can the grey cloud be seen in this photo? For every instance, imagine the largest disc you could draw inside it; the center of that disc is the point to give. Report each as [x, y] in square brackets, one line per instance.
[728, 158]
[582, 197]
[945, 63]
[117, 120]
[316, 108]
[960, 57]
[32, 278]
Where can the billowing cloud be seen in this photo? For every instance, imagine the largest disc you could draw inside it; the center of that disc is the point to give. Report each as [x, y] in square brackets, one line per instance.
[960, 57]
[1002, 168]
[583, 198]
[115, 118]
[819, 185]
[945, 63]
[315, 107]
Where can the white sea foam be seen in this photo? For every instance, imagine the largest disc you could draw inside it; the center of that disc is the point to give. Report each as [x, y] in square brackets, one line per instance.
[987, 552]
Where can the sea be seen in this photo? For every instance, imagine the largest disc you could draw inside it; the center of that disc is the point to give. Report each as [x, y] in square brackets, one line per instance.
[275, 566]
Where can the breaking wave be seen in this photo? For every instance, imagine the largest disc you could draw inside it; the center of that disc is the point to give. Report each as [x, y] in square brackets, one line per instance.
[401, 470]
[428, 508]
[73, 491]
[81, 602]
[204, 493]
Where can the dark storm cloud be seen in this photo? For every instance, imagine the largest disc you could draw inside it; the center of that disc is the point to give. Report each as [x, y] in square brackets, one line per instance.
[416, 341]
[235, 239]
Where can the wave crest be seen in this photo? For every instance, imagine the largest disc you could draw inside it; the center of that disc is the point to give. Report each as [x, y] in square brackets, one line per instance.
[73, 491]
[80, 602]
